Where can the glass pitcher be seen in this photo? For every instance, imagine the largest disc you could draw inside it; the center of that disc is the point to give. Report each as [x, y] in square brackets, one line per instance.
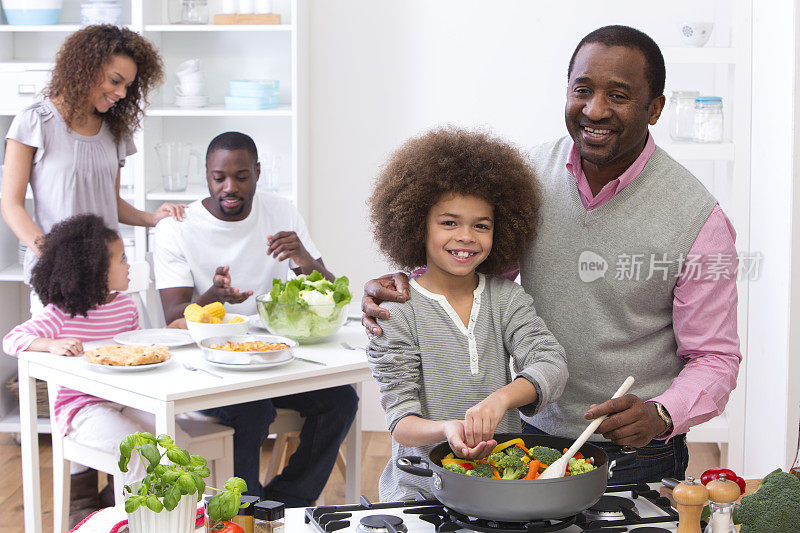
[176, 159]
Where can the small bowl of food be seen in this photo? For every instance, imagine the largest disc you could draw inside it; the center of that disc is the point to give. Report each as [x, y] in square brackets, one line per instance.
[212, 321]
[307, 309]
[247, 349]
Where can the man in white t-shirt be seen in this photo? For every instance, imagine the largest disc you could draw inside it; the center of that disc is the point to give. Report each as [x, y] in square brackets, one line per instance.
[228, 247]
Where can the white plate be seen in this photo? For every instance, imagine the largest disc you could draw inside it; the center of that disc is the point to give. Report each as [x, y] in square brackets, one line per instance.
[169, 337]
[253, 366]
[135, 368]
[254, 321]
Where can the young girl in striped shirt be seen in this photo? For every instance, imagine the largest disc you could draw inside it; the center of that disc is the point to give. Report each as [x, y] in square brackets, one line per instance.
[79, 278]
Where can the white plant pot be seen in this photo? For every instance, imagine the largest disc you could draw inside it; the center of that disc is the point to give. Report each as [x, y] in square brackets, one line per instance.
[180, 520]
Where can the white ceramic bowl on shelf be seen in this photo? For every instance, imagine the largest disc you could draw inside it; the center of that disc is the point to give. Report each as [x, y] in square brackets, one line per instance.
[696, 33]
[32, 12]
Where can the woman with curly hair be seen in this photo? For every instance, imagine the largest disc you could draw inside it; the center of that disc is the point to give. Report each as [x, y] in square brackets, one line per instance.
[69, 146]
[79, 277]
[461, 204]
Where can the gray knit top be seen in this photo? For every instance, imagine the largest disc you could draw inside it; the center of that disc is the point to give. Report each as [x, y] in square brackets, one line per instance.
[603, 279]
[428, 364]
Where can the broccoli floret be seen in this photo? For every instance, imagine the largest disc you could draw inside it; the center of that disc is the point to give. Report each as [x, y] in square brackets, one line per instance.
[481, 470]
[579, 466]
[496, 457]
[513, 467]
[515, 450]
[455, 468]
[774, 507]
[545, 455]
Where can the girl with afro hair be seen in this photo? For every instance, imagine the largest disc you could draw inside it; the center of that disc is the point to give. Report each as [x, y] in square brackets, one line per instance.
[79, 277]
[70, 145]
[463, 205]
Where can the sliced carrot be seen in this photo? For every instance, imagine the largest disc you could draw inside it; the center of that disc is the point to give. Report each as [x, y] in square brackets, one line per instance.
[495, 474]
[533, 469]
[522, 447]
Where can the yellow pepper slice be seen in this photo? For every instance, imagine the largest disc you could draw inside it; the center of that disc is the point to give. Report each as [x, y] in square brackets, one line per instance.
[507, 444]
[457, 461]
[449, 456]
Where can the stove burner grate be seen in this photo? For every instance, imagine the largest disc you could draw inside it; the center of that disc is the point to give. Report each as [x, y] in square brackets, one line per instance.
[381, 523]
[334, 518]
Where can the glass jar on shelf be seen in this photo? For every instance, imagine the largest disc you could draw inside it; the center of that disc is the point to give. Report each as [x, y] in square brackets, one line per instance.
[681, 115]
[708, 119]
[194, 12]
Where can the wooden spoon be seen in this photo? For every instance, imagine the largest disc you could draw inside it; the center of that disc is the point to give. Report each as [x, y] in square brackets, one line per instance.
[559, 467]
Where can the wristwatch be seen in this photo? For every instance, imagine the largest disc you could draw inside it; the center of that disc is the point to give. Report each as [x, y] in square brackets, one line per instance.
[663, 414]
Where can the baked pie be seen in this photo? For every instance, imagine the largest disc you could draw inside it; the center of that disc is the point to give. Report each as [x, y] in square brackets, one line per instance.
[124, 355]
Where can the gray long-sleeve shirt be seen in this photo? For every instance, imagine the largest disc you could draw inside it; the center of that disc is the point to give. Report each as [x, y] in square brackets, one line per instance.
[428, 364]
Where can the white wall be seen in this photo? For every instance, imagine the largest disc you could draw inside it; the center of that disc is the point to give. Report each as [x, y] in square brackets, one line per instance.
[771, 424]
[381, 71]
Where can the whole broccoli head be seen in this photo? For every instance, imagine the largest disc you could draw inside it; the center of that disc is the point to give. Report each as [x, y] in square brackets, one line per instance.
[513, 467]
[579, 466]
[515, 450]
[774, 507]
[481, 470]
[544, 454]
[455, 468]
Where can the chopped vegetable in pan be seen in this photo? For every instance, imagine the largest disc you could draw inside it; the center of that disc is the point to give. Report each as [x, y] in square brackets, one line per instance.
[511, 460]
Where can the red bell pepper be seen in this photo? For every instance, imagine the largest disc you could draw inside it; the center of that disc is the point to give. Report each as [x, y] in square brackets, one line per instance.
[730, 475]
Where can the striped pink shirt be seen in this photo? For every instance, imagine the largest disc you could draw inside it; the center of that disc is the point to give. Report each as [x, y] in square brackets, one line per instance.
[102, 323]
[703, 309]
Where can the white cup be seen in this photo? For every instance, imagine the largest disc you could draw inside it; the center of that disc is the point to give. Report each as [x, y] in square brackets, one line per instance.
[190, 90]
[190, 78]
[263, 6]
[246, 7]
[228, 7]
[190, 65]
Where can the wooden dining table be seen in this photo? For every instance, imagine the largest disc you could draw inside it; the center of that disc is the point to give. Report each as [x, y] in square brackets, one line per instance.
[172, 389]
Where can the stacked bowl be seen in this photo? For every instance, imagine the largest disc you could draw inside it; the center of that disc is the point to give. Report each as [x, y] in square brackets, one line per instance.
[252, 94]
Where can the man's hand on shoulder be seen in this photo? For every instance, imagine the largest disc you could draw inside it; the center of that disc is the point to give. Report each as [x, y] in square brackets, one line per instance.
[630, 422]
[221, 290]
[388, 288]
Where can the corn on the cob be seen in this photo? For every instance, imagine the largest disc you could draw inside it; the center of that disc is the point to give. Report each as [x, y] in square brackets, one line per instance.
[215, 310]
[236, 320]
[213, 319]
[193, 313]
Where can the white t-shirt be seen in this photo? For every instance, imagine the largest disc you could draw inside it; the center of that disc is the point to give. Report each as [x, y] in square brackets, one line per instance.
[187, 253]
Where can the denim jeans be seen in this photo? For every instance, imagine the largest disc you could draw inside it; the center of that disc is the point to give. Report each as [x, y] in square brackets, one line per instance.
[328, 414]
[654, 461]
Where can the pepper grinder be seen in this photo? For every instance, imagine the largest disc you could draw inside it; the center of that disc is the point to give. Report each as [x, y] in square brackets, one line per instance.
[690, 498]
[722, 495]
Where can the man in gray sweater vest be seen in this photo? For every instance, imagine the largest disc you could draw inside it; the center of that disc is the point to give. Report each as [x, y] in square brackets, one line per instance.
[633, 267]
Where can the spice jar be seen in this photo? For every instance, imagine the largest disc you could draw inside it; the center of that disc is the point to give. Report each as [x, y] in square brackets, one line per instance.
[268, 517]
[708, 120]
[208, 522]
[194, 12]
[722, 496]
[681, 115]
[690, 498]
[244, 517]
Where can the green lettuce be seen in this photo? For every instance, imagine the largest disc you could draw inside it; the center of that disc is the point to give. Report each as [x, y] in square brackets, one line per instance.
[285, 309]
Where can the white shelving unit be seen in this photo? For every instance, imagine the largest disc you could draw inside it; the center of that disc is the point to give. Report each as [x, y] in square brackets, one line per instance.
[731, 68]
[226, 52]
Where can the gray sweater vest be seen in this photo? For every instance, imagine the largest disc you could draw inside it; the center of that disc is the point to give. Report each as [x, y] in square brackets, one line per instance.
[603, 280]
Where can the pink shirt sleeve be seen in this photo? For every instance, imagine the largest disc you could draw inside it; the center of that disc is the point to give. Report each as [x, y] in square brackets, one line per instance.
[46, 324]
[704, 320]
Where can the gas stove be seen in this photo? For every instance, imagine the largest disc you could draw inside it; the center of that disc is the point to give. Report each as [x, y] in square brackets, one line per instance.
[624, 508]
